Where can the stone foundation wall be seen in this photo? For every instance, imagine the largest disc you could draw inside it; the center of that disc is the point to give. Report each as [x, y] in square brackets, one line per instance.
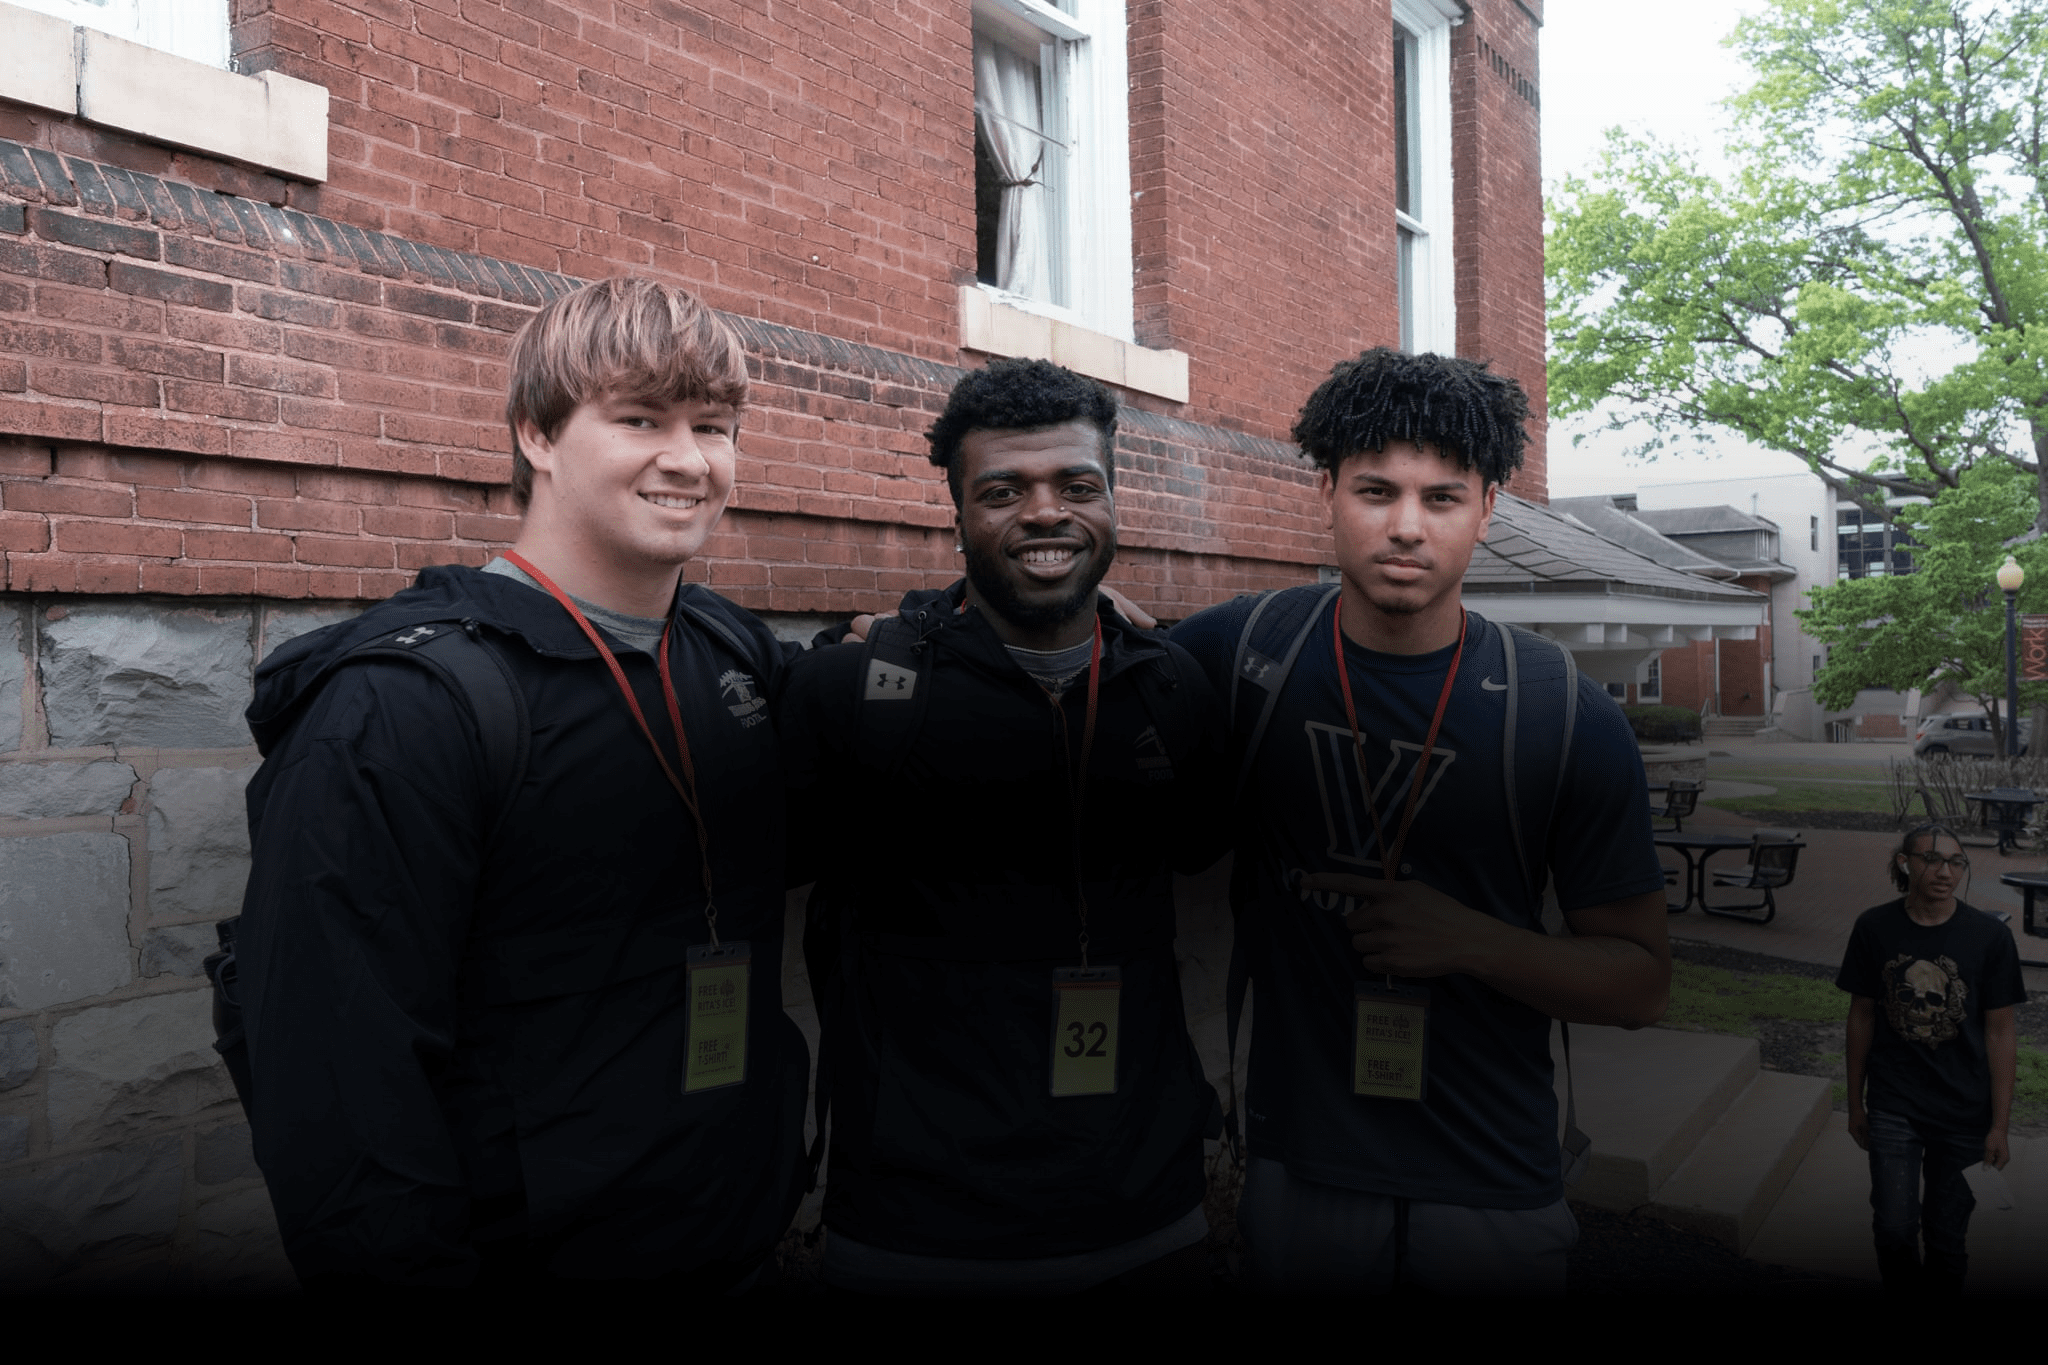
[124, 1158]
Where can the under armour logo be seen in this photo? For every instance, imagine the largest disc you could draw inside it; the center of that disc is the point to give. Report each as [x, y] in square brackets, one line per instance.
[415, 635]
[889, 683]
[1491, 686]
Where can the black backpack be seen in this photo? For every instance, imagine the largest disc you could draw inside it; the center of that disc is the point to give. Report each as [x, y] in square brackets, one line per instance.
[1541, 676]
[456, 652]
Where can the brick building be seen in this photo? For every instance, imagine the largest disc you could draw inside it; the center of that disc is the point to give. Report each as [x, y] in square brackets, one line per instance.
[259, 266]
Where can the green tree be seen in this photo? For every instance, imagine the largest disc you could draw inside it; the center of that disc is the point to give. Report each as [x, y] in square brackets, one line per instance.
[1870, 281]
[1945, 621]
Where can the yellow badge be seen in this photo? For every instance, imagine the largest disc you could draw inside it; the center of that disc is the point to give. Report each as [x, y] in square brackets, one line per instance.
[1084, 1015]
[715, 1046]
[1393, 1024]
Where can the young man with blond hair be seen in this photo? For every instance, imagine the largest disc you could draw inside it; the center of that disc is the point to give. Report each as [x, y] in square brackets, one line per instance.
[518, 1023]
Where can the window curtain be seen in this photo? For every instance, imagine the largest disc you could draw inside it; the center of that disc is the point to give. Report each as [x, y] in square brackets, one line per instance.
[1006, 106]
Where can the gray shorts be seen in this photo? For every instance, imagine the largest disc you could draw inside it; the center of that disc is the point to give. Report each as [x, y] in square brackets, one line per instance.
[1307, 1238]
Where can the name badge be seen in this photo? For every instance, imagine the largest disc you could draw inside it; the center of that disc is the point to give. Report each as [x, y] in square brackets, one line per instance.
[1387, 1056]
[1084, 1017]
[715, 1044]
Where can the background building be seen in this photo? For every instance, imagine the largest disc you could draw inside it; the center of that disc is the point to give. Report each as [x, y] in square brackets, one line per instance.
[1779, 536]
[258, 272]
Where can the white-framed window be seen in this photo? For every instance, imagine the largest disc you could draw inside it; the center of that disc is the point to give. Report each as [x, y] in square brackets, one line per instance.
[196, 30]
[1052, 159]
[1422, 174]
[1653, 680]
[160, 69]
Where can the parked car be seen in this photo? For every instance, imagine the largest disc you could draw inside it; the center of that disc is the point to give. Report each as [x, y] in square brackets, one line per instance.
[1963, 732]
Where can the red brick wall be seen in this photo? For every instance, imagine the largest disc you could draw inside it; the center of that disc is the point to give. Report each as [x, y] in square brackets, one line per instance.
[1686, 675]
[809, 163]
[1496, 174]
[1262, 176]
[217, 381]
[1742, 678]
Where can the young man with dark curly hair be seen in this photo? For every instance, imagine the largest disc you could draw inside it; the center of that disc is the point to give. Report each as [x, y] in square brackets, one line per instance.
[1000, 784]
[511, 950]
[1390, 877]
[1933, 982]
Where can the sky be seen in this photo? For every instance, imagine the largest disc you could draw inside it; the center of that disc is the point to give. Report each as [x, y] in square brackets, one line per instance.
[1650, 67]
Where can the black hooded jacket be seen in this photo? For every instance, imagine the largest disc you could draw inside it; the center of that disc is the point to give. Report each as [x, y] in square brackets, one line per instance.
[465, 1007]
[950, 876]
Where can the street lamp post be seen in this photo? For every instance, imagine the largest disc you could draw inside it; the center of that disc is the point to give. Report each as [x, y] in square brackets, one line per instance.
[2010, 576]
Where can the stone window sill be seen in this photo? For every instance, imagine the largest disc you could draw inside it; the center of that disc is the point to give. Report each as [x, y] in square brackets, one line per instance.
[269, 120]
[989, 325]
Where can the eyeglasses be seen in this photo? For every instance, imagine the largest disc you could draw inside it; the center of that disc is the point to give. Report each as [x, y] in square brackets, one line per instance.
[1930, 861]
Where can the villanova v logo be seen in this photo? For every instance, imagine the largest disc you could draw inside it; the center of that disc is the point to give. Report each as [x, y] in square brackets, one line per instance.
[1345, 818]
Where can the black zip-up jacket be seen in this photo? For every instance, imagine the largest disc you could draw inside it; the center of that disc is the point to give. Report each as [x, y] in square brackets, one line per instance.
[951, 880]
[467, 1042]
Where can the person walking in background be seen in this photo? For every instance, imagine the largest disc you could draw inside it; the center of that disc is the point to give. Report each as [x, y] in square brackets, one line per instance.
[1933, 1054]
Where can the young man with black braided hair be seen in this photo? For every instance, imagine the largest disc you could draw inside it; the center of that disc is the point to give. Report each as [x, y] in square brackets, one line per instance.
[1934, 982]
[999, 786]
[1402, 1127]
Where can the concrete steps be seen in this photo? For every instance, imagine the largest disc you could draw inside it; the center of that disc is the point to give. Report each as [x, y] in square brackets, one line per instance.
[1732, 726]
[1733, 1178]
[1688, 1127]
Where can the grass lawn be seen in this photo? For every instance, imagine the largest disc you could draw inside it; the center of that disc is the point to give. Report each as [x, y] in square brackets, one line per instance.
[1774, 773]
[1715, 1000]
[1875, 797]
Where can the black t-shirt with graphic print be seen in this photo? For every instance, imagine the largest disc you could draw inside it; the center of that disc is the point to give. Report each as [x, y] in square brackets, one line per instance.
[1932, 985]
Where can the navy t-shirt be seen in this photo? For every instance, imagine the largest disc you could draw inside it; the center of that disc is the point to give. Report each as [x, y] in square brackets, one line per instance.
[1485, 1134]
[1932, 985]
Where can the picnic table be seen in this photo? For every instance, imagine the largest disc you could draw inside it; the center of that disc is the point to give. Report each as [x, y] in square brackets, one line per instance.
[2030, 884]
[2005, 809]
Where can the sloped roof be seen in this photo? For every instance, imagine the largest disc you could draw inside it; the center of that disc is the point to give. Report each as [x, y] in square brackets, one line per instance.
[1536, 549]
[1600, 516]
[1699, 521]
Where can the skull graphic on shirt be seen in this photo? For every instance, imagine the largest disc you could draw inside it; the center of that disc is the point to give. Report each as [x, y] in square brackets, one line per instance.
[1924, 1001]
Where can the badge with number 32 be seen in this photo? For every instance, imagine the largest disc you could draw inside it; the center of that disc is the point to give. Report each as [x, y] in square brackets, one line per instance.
[1084, 1020]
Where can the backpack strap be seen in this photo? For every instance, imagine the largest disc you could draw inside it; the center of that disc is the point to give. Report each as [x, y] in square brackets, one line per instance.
[1274, 632]
[1272, 638]
[893, 688]
[478, 674]
[892, 691]
[1576, 1149]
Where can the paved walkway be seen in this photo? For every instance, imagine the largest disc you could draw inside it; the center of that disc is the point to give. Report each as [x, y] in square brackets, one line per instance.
[1841, 874]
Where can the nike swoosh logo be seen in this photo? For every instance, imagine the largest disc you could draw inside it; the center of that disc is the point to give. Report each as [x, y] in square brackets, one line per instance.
[1490, 685]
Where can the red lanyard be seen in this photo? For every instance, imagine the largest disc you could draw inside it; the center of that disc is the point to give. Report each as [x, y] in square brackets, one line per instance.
[1088, 725]
[1390, 859]
[685, 785]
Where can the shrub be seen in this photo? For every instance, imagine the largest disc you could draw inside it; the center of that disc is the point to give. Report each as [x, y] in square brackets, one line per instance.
[1663, 724]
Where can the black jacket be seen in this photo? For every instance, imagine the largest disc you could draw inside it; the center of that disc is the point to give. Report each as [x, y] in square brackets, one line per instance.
[467, 1041]
[950, 879]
